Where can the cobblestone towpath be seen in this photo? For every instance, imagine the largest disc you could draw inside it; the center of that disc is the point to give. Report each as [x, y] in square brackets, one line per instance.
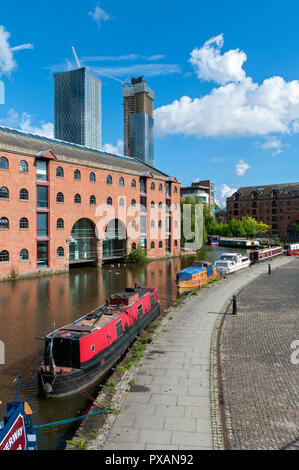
[172, 403]
[259, 371]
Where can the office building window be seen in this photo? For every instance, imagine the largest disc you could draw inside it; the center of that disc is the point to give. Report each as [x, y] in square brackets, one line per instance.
[109, 179]
[60, 252]
[60, 223]
[92, 200]
[24, 195]
[60, 197]
[42, 225]
[41, 170]
[4, 163]
[59, 172]
[24, 224]
[24, 255]
[133, 183]
[92, 177]
[23, 167]
[77, 199]
[4, 223]
[77, 175]
[42, 255]
[4, 256]
[4, 193]
[121, 182]
[42, 197]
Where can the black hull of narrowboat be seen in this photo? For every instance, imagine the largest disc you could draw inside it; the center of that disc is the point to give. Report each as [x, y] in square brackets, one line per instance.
[68, 383]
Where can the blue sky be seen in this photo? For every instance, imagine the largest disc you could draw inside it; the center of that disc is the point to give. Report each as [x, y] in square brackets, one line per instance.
[224, 76]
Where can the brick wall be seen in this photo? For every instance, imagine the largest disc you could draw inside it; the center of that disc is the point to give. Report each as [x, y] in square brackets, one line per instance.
[15, 239]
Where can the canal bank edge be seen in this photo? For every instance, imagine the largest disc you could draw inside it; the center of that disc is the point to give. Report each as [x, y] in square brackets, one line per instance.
[93, 432]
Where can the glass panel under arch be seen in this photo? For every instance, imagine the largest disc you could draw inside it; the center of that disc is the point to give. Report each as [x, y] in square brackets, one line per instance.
[82, 242]
[115, 240]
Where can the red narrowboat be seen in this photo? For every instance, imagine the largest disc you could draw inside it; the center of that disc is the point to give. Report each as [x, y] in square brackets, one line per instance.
[260, 255]
[80, 353]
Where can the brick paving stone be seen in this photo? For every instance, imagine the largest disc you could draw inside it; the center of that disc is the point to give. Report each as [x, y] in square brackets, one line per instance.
[260, 382]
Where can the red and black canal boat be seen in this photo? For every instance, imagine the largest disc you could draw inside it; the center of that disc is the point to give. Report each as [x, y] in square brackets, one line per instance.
[80, 353]
[266, 253]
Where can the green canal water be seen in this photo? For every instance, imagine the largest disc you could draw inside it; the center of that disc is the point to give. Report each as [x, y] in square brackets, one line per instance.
[31, 308]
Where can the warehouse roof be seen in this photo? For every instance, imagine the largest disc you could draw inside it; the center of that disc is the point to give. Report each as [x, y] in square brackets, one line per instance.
[265, 190]
[16, 140]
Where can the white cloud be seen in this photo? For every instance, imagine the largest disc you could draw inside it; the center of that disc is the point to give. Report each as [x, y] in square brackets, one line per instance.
[24, 122]
[45, 129]
[7, 61]
[99, 15]
[210, 65]
[241, 168]
[222, 193]
[22, 47]
[237, 108]
[117, 149]
[273, 144]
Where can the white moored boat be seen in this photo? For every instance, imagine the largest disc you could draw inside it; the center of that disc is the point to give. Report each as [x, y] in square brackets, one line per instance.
[230, 262]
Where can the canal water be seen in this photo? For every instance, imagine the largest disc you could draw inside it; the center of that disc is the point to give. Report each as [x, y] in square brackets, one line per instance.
[31, 308]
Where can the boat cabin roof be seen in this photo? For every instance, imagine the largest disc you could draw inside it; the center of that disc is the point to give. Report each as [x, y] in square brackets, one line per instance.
[102, 315]
[203, 262]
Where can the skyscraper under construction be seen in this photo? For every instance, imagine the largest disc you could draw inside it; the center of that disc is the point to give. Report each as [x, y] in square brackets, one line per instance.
[138, 101]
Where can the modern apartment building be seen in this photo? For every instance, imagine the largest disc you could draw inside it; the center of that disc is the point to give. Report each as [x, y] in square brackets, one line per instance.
[77, 103]
[63, 204]
[276, 205]
[138, 101]
[202, 190]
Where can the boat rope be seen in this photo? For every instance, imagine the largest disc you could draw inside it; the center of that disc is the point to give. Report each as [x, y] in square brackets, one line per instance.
[71, 420]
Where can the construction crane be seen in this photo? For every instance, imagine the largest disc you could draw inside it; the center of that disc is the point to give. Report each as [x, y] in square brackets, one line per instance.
[124, 84]
[76, 58]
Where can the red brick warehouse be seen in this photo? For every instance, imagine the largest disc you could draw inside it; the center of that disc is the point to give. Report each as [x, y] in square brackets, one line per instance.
[61, 204]
[276, 205]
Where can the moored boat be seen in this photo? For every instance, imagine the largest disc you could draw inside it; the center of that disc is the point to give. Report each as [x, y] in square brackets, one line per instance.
[196, 276]
[291, 249]
[213, 240]
[242, 243]
[231, 262]
[16, 430]
[266, 253]
[80, 353]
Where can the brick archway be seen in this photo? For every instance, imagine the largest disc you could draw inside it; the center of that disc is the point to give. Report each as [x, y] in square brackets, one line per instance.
[292, 230]
[83, 242]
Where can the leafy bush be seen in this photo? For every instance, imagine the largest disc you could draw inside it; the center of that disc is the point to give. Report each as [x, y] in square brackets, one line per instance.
[137, 256]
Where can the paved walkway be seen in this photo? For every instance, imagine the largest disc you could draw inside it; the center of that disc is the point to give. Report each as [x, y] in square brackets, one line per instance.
[260, 380]
[169, 406]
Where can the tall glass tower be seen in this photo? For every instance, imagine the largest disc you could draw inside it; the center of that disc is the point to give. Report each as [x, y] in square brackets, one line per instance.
[78, 108]
[138, 121]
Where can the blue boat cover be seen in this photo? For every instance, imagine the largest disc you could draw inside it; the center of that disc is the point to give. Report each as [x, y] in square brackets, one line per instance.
[187, 274]
[205, 264]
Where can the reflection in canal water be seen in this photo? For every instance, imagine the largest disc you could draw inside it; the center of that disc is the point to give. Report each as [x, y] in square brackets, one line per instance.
[31, 308]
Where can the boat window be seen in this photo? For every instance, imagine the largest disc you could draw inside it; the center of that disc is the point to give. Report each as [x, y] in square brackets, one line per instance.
[140, 312]
[119, 328]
